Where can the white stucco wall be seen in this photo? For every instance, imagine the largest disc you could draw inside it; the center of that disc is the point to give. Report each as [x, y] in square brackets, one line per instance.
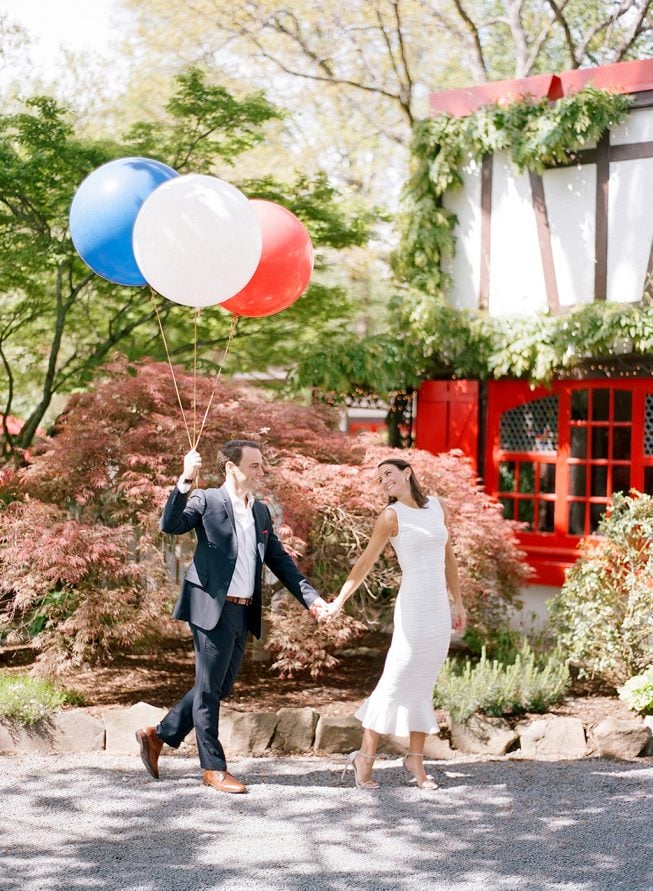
[516, 281]
[534, 614]
[465, 267]
[630, 228]
[516, 274]
[570, 194]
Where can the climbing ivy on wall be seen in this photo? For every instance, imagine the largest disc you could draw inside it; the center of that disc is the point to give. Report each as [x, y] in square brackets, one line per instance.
[536, 135]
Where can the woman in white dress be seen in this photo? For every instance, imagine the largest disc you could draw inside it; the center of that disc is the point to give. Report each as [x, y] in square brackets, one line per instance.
[402, 702]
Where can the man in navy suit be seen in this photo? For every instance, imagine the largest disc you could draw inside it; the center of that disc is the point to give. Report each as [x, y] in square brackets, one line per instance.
[221, 598]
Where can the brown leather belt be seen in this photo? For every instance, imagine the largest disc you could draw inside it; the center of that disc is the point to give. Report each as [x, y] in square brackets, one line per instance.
[241, 601]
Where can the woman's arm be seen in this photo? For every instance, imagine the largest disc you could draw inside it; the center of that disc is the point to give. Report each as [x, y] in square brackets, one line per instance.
[385, 527]
[459, 617]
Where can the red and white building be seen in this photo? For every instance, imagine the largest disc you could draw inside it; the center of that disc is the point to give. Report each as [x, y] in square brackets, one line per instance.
[528, 242]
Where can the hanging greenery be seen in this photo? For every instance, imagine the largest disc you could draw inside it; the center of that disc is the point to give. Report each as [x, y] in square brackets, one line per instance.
[450, 342]
[426, 337]
[536, 135]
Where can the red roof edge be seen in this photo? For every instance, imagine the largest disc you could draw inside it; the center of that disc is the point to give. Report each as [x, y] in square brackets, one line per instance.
[469, 99]
[621, 77]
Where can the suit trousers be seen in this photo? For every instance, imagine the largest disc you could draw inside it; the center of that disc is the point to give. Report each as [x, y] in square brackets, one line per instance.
[218, 656]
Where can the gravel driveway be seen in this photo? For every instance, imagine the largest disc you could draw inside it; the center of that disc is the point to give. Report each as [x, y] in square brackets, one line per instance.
[99, 822]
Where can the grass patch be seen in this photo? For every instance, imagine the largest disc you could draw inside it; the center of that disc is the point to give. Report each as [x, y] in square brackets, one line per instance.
[26, 700]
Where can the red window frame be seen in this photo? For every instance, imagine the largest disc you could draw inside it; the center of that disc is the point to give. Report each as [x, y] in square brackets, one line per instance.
[550, 553]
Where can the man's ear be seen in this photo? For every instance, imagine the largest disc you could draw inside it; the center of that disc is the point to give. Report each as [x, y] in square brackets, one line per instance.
[229, 466]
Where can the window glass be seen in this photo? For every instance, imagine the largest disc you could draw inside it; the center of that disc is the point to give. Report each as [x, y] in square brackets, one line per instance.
[579, 402]
[545, 516]
[579, 442]
[620, 478]
[648, 480]
[600, 439]
[547, 473]
[599, 480]
[508, 508]
[621, 443]
[507, 476]
[578, 479]
[525, 512]
[526, 477]
[623, 405]
[576, 518]
[600, 405]
[648, 426]
[596, 512]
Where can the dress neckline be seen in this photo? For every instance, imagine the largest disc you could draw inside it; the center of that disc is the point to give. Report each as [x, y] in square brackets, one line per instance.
[408, 507]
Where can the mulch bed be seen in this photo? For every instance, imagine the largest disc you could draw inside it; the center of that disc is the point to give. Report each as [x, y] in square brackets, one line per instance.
[161, 675]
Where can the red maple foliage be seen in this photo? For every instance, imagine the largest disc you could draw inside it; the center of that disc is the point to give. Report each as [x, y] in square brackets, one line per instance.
[80, 546]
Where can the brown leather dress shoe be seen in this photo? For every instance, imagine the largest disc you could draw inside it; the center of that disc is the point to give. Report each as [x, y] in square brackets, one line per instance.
[151, 747]
[223, 782]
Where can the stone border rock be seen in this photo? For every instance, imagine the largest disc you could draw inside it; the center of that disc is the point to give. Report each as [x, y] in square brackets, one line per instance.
[303, 730]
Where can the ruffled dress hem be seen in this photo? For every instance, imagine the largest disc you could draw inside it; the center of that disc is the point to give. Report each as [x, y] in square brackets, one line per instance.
[397, 720]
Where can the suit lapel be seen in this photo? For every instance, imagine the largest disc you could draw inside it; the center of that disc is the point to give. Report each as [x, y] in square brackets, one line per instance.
[259, 520]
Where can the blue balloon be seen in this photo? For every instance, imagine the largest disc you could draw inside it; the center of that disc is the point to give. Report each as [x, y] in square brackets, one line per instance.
[103, 213]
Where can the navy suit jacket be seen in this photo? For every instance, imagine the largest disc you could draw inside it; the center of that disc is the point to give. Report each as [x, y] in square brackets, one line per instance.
[210, 513]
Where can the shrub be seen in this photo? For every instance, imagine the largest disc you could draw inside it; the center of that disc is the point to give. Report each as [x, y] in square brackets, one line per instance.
[27, 700]
[81, 556]
[603, 617]
[637, 692]
[299, 643]
[529, 684]
[81, 589]
[333, 508]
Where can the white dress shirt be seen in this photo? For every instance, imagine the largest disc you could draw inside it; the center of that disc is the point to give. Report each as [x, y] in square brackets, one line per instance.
[242, 582]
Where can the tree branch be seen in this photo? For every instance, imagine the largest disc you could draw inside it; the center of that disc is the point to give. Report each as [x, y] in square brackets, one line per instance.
[476, 38]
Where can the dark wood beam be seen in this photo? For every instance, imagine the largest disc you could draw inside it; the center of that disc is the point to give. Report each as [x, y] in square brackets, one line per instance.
[486, 232]
[544, 239]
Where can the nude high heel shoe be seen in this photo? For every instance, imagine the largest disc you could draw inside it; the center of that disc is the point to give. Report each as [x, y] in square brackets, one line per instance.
[351, 762]
[409, 776]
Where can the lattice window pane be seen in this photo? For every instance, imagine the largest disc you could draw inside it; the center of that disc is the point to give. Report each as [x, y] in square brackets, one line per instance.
[532, 427]
[648, 427]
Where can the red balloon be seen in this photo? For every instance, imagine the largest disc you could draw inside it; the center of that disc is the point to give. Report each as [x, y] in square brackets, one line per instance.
[285, 267]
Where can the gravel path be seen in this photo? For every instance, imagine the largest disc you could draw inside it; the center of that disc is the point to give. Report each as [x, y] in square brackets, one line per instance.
[99, 822]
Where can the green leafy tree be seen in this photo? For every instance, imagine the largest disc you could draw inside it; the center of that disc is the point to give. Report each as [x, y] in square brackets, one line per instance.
[59, 321]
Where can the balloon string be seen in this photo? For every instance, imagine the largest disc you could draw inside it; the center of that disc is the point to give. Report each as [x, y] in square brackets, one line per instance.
[232, 333]
[197, 316]
[172, 371]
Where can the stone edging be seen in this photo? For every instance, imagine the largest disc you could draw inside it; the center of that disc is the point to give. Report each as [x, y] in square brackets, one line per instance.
[304, 730]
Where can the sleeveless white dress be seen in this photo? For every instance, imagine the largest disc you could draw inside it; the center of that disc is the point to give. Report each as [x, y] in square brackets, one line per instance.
[403, 698]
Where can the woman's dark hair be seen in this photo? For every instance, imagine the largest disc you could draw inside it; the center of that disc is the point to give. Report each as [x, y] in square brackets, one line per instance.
[233, 451]
[419, 495]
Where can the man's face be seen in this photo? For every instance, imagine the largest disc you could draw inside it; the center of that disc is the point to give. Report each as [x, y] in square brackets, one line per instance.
[249, 471]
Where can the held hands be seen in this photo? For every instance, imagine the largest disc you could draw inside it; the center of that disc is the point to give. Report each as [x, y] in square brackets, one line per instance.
[333, 609]
[323, 611]
[192, 464]
[318, 609]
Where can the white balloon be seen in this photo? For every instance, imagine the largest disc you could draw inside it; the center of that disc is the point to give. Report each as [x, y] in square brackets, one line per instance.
[197, 240]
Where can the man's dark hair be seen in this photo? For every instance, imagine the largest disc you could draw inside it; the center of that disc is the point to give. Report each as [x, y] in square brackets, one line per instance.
[233, 451]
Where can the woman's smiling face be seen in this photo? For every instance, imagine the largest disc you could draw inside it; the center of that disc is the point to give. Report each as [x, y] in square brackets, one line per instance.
[393, 481]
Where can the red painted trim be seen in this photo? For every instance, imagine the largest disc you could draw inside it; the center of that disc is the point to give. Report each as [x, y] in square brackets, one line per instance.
[468, 99]
[621, 77]
[551, 553]
[447, 417]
